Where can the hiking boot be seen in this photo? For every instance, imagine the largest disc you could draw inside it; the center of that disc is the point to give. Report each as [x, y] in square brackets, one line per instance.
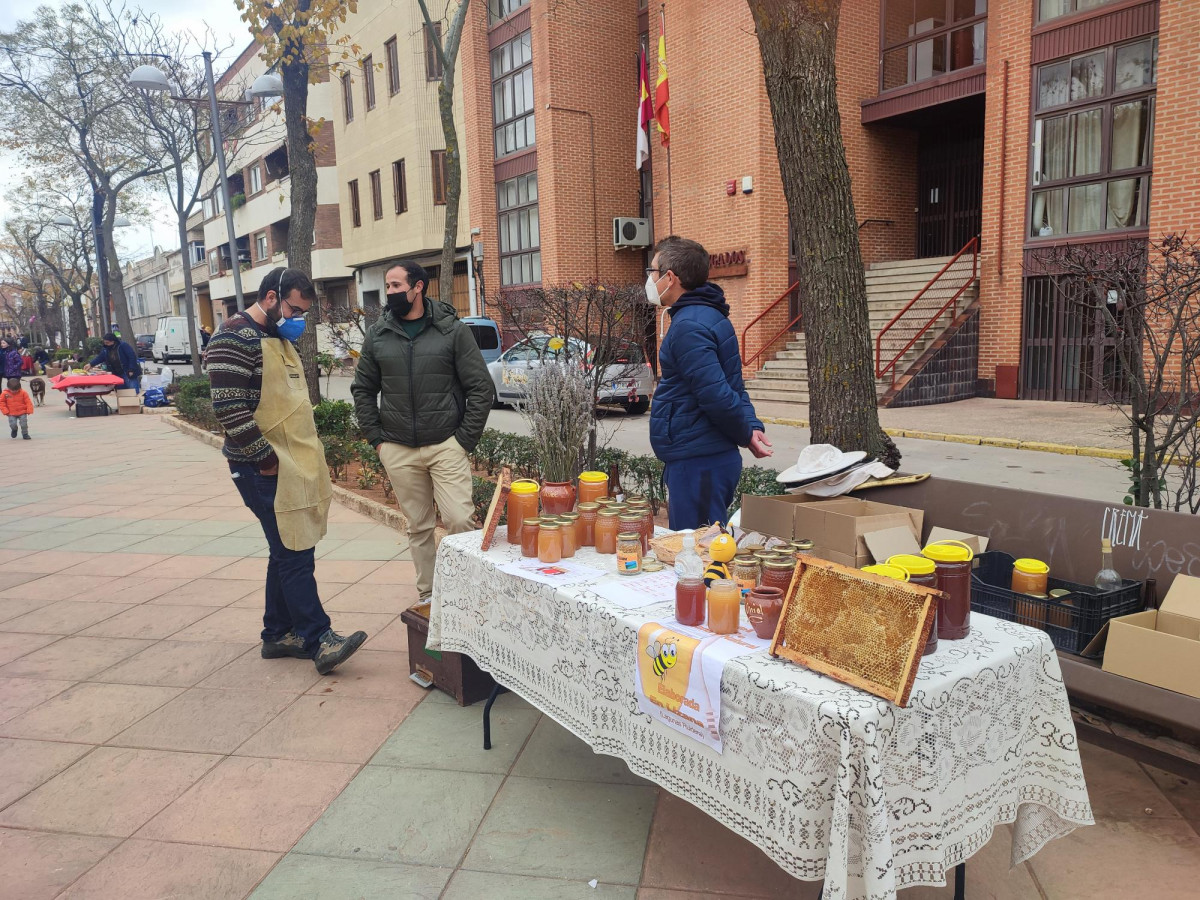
[14, 433]
[333, 650]
[291, 644]
[27, 437]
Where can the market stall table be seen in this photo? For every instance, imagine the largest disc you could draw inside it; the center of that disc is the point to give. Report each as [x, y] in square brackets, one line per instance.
[830, 782]
[91, 385]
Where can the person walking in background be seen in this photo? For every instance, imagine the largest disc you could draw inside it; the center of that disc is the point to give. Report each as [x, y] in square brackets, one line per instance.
[41, 359]
[422, 394]
[16, 403]
[205, 336]
[12, 362]
[701, 413]
[121, 360]
[277, 462]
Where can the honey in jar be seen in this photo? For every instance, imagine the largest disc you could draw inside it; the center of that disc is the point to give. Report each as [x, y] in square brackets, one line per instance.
[592, 486]
[1029, 576]
[952, 561]
[745, 572]
[550, 543]
[631, 520]
[724, 606]
[690, 595]
[529, 537]
[629, 553]
[586, 526]
[569, 523]
[522, 505]
[923, 572]
[777, 573]
[607, 526]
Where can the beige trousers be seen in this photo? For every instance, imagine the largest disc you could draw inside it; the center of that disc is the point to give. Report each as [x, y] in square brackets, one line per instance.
[420, 477]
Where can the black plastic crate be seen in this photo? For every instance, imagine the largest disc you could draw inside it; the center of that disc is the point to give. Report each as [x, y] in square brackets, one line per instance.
[91, 406]
[1071, 621]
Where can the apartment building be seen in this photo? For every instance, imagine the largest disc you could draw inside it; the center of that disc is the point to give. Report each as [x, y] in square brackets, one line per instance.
[391, 159]
[194, 257]
[148, 292]
[978, 133]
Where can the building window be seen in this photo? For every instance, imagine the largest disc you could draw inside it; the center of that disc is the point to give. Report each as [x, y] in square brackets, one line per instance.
[520, 238]
[502, 9]
[355, 212]
[512, 95]
[376, 195]
[214, 264]
[437, 159]
[255, 179]
[393, 66]
[368, 70]
[433, 62]
[195, 252]
[260, 246]
[1093, 141]
[399, 187]
[1052, 9]
[926, 38]
[347, 98]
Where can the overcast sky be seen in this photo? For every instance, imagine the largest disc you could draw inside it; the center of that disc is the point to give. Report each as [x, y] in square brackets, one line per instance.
[192, 15]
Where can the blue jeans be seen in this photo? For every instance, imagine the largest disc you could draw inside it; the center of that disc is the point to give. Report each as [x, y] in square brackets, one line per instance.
[700, 490]
[132, 384]
[292, 602]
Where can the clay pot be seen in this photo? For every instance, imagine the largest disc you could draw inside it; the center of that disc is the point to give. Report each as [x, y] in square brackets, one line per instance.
[763, 606]
[558, 497]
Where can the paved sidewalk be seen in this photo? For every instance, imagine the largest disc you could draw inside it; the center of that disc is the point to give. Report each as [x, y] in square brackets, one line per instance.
[147, 751]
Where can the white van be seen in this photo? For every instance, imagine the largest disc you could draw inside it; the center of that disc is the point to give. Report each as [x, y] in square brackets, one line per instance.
[171, 340]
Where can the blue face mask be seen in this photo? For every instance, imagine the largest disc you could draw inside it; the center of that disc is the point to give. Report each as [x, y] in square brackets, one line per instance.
[290, 329]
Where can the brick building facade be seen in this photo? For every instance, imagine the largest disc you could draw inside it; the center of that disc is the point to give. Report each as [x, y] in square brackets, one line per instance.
[1026, 125]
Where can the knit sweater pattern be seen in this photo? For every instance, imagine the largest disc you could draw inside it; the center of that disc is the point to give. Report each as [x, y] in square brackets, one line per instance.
[235, 363]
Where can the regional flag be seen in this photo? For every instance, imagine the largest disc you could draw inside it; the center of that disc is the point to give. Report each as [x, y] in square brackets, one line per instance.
[645, 112]
[662, 94]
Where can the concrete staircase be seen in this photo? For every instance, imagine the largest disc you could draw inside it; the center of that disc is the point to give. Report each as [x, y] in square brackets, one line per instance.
[890, 286]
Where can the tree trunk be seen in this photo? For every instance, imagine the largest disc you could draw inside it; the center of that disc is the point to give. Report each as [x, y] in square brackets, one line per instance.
[76, 322]
[116, 278]
[453, 185]
[185, 258]
[797, 40]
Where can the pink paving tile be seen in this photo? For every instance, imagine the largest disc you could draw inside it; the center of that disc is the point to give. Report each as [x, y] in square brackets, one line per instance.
[347, 571]
[36, 866]
[88, 713]
[139, 588]
[117, 564]
[16, 579]
[330, 729]
[249, 569]
[148, 621]
[1184, 793]
[11, 607]
[174, 663]
[14, 646]
[111, 791]
[688, 850]
[393, 571]
[61, 586]
[7, 556]
[46, 562]
[371, 674]
[1119, 789]
[71, 658]
[374, 598]
[209, 592]
[64, 617]
[150, 870]
[86, 511]
[250, 672]
[232, 625]
[27, 764]
[202, 720]
[186, 567]
[393, 637]
[226, 806]
[20, 694]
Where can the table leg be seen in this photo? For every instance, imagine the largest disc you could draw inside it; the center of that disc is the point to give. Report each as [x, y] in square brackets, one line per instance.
[960, 883]
[487, 715]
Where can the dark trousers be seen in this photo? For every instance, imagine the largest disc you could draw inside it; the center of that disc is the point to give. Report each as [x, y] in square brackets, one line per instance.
[292, 602]
[700, 490]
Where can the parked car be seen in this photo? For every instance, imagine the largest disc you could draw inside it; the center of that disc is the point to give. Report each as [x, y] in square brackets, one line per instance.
[627, 379]
[171, 340]
[145, 346]
[487, 335]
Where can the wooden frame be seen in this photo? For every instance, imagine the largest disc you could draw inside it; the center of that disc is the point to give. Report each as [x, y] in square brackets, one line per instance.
[809, 625]
[492, 519]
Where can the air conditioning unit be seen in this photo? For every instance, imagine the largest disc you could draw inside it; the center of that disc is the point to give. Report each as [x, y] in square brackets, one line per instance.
[631, 232]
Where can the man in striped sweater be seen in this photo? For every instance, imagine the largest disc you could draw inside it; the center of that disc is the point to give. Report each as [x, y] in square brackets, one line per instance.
[294, 621]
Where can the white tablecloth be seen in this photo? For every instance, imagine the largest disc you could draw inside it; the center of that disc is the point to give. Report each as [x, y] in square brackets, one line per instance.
[829, 781]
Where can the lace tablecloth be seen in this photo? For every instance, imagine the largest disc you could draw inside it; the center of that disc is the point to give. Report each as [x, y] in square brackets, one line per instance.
[829, 781]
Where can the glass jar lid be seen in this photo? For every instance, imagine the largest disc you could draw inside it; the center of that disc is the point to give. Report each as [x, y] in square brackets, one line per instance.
[534, 521]
[550, 526]
[630, 536]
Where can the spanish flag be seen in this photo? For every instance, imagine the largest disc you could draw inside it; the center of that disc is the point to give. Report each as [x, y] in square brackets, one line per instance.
[645, 112]
[662, 93]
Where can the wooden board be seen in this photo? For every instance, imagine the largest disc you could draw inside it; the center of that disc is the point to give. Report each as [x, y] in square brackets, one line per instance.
[858, 628]
[499, 500]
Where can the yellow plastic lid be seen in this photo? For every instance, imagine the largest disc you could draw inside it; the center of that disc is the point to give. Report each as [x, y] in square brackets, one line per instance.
[913, 564]
[1031, 566]
[887, 571]
[593, 477]
[948, 551]
[524, 486]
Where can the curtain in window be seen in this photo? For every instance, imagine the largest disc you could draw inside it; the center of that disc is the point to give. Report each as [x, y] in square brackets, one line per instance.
[1087, 136]
[1049, 9]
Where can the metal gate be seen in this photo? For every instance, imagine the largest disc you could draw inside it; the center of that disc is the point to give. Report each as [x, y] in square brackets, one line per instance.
[949, 193]
[1068, 352]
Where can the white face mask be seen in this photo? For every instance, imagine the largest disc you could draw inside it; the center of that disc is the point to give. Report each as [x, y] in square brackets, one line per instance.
[652, 291]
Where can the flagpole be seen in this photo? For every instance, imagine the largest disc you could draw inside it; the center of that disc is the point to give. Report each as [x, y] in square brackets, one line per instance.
[662, 14]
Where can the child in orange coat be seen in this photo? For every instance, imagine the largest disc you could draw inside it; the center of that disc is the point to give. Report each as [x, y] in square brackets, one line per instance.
[18, 406]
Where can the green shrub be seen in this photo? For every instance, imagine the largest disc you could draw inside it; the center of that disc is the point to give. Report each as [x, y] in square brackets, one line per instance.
[63, 354]
[193, 399]
[481, 495]
[335, 418]
[92, 346]
[338, 453]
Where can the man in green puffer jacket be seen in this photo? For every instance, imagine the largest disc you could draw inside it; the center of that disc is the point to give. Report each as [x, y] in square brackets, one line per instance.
[422, 394]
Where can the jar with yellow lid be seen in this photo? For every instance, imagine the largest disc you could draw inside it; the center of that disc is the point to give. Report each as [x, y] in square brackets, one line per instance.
[921, 571]
[522, 505]
[592, 486]
[1029, 576]
[952, 563]
[887, 571]
[629, 552]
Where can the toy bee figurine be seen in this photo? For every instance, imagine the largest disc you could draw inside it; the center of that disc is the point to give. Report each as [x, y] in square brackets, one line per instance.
[722, 550]
[664, 656]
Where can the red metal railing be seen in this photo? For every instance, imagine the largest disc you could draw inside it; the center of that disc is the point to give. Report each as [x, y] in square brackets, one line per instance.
[748, 361]
[926, 308]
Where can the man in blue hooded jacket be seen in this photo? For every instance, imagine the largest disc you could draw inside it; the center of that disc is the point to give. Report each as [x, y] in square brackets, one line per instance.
[701, 413]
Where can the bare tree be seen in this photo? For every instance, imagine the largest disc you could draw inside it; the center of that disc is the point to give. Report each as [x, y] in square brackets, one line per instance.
[797, 40]
[1147, 295]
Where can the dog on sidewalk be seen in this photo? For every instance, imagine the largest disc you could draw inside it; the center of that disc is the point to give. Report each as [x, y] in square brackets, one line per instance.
[37, 387]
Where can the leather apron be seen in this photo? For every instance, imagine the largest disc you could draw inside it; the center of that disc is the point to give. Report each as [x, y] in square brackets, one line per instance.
[285, 417]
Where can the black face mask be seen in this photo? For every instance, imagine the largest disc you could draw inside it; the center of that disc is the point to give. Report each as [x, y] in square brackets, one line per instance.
[399, 304]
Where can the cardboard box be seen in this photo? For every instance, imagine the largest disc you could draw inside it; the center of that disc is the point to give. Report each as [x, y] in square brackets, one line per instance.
[836, 527]
[129, 406]
[52, 371]
[1159, 647]
[126, 392]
